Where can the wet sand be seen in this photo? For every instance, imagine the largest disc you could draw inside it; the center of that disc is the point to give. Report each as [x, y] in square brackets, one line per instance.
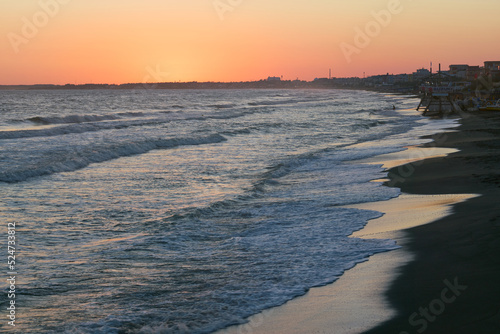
[452, 286]
[444, 278]
[356, 302]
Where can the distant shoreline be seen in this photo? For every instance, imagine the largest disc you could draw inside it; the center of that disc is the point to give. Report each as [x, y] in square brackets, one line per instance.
[262, 84]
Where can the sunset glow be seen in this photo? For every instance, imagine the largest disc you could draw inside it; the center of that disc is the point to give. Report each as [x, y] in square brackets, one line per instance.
[121, 41]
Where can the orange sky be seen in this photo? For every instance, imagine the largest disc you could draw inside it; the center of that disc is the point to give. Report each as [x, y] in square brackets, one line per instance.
[119, 41]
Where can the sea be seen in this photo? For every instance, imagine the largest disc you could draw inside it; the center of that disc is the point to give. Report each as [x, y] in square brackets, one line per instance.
[186, 211]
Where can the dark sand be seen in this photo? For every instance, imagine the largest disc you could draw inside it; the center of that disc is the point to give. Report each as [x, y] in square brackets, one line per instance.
[446, 276]
[453, 284]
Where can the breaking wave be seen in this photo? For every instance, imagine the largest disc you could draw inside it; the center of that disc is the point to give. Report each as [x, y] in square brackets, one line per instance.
[71, 159]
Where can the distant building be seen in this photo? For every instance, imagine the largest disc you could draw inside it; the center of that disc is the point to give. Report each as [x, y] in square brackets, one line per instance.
[353, 81]
[473, 72]
[459, 71]
[492, 67]
[274, 79]
[398, 78]
[421, 74]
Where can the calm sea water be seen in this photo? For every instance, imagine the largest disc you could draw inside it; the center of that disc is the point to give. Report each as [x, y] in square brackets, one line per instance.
[156, 211]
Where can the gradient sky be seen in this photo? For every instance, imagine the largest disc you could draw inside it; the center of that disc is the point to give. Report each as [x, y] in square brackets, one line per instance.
[120, 41]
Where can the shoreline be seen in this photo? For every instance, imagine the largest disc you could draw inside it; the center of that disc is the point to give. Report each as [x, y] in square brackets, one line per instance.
[360, 289]
[351, 304]
[355, 302]
[451, 285]
[382, 294]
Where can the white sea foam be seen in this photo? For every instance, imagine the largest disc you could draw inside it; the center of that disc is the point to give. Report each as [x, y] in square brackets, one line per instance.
[57, 161]
[233, 200]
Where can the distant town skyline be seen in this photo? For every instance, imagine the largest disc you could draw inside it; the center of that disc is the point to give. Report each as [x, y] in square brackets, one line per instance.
[115, 42]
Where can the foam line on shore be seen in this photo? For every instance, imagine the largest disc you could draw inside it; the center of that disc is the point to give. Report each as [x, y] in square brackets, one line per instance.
[356, 302]
[407, 211]
[412, 154]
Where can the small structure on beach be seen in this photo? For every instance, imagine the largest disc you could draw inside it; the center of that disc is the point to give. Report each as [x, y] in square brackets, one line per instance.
[440, 103]
[438, 97]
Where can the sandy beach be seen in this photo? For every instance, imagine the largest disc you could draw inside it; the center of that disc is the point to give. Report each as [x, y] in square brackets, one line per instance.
[356, 302]
[444, 277]
[452, 285]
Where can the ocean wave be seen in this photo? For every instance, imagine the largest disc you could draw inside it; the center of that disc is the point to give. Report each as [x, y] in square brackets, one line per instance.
[278, 102]
[70, 119]
[222, 106]
[71, 128]
[131, 114]
[367, 124]
[55, 126]
[177, 106]
[259, 269]
[64, 126]
[275, 103]
[72, 160]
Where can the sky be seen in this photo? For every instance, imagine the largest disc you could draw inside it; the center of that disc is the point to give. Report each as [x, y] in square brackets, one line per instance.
[146, 41]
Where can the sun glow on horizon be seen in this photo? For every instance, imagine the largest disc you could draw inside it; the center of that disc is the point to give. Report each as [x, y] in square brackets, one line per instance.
[76, 41]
